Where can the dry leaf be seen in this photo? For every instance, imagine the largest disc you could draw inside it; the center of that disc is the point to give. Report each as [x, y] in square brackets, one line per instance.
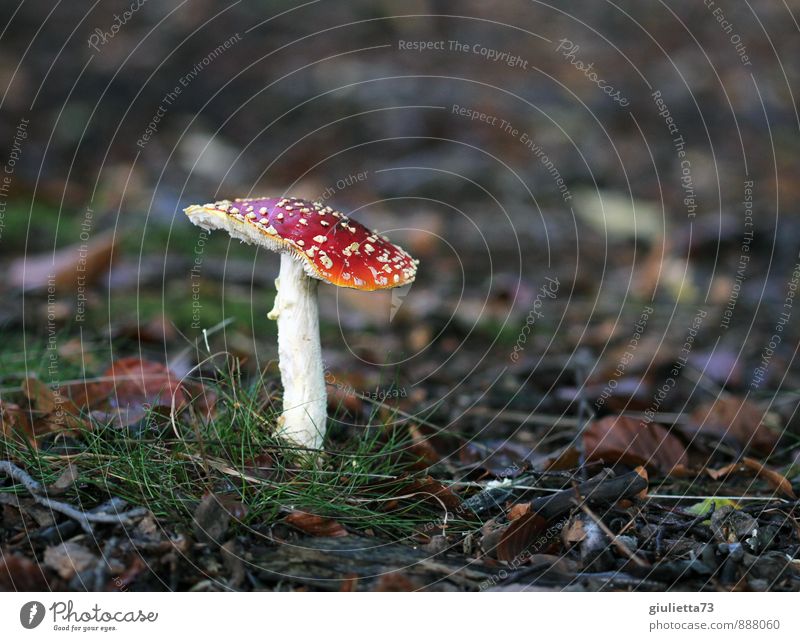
[775, 479]
[87, 261]
[518, 510]
[732, 418]
[525, 536]
[14, 422]
[315, 525]
[68, 559]
[128, 389]
[66, 480]
[39, 395]
[628, 440]
[19, 574]
[395, 582]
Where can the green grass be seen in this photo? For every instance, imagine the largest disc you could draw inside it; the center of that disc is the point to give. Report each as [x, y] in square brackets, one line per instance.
[169, 468]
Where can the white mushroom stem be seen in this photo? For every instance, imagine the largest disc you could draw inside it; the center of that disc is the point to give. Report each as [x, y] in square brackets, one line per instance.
[304, 396]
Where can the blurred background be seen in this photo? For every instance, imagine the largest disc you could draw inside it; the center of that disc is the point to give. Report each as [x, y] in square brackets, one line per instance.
[587, 185]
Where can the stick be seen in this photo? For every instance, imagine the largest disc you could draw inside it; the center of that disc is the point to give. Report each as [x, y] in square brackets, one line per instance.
[597, 490]
[85, 519]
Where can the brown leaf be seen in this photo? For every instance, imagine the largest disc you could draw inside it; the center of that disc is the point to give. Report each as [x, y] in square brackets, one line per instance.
[51, 410]
[19, 574]
[518, 510]
[315, 525]
[66, 480]
[566, 458]
[349, 583]
[131, 386]
[69, 559]
[395, 582]
[39, 395]
[128, 389]
[15, 422]
[627, 440]
[643, 473]
[729, 417]
[422, 447]
[138, 382]
[82, 263]
[525, 536]
[574, 532]
[775, 479]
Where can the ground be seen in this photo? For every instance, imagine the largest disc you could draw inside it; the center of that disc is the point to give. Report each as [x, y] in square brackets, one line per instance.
[592, 384]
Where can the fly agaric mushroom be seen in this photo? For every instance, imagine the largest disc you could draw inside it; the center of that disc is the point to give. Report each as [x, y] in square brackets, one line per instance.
[316, 243]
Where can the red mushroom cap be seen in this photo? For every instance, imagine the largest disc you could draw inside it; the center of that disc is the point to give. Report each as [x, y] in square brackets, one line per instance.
[334, 248]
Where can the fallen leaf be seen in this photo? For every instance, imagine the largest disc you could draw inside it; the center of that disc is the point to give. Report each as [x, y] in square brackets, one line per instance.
[422, 447]
[566, 458]
[527, 535]
[315, 525]
[395, 582]
[15, 422]
[81, 263]
[51, 411]
[68, 559]
[19, 574]
[775, 479]
[138, 382]
[27, 507]
[128, 389]
[574, 532]
[710, 505]
[729, 417]
[66, 479]
[707, 505]
[623, 439]
[39, 395]
[518, 510]
[641, 471]
[349, 583]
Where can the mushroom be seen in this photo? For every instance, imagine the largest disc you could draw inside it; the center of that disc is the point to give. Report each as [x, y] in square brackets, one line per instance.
[316, 243]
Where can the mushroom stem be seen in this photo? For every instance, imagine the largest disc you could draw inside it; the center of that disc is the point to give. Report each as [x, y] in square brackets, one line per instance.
[304, 396]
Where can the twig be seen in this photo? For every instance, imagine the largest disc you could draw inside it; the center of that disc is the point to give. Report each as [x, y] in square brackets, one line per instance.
[85, 519]
[599, 490]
